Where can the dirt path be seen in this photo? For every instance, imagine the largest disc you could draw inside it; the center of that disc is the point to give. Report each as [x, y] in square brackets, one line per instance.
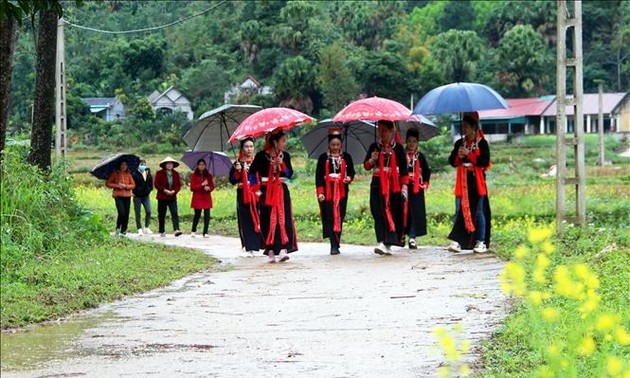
[352, 315]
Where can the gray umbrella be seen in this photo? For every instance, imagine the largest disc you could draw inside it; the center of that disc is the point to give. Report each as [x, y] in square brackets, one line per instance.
[426, 128]
[357, 137]
[213, 129]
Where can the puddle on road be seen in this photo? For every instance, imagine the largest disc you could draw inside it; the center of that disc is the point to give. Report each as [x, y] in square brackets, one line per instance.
[28, 349]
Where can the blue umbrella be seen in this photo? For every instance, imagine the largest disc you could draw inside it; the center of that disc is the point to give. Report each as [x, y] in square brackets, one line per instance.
[103, 169]
[218, 163]
[460, 97]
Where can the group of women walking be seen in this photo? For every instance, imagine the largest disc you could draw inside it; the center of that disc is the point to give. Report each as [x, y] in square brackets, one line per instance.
[400, 177]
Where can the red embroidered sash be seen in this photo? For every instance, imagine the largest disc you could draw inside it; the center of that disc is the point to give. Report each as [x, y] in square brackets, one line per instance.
[250, 198]
[335, 191]
[461, 185]
[389, 184]
[275, 199]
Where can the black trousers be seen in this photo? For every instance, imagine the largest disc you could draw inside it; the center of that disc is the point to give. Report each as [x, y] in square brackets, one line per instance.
[206, 220]
[138, 202]
[172, 207]
[123, 205]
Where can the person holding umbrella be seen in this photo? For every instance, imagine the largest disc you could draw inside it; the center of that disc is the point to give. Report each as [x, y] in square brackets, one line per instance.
[121, 182]
[419, 175]
[388, 189]
[247, 206]
[144, 186]
[167, 185]
[273, 166]
[471, 158]
[201, 185]
[334, 173]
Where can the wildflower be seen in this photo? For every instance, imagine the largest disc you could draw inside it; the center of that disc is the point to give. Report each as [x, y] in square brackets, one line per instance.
[550, 314]
[535, 297]
[537, 235]
[464, 370]
[548, 248]
[553, 350]
[622, 336]
[465, 346]
[587, 346]
[513, 279]
[443, 372]
[605, 322]
[614, 365]
[521, 252]
[589, 305]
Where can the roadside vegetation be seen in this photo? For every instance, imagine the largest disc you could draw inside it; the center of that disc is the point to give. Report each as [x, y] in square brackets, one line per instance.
[58, 257]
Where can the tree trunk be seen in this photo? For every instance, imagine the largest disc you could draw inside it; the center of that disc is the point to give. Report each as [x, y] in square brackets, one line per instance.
[44, 101]
[8, 37]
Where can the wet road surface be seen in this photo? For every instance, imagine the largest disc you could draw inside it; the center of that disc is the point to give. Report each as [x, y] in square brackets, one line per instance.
[353, 315]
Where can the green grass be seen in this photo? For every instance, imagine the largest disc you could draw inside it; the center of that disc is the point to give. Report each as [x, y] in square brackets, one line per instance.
[78, 279]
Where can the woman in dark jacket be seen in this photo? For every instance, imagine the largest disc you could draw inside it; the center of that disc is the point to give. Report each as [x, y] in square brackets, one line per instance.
[388, 189]
[419, 175]
[247, 203]
[167, 184]
[335, 171]
[471, 157]
[144, 186]
[201, 185]
[273, 166]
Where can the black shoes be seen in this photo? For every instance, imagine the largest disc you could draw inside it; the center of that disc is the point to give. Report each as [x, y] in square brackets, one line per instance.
[412, 244]
[334, 251]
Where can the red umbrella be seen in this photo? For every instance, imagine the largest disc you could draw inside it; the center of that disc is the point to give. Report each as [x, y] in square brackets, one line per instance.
[374, 109]
[267, 120]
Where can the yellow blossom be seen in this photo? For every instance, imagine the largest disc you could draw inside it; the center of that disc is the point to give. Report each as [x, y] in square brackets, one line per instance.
[465, 347]
[542, 261]
[587, 346]
[464, 370]
[521, 252]
[550, 314]
[626, 373]
[537, 235]
[539, 276]
[605, 322]
[553, 350]
[535, 297]
[513, 279]
[443, 372]
[622, 336]
[589, 305]
[564, 285]
[548, 248]
[614, 365]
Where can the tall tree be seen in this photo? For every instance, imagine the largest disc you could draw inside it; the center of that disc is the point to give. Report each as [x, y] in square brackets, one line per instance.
[335, 78]
[458, 53]
[458, 15]
[295, 83]
[524, 59]
[8, 36]
[44, 102]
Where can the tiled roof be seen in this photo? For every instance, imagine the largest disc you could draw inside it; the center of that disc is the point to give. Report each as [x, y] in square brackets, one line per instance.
[519, 107]
[591, 104]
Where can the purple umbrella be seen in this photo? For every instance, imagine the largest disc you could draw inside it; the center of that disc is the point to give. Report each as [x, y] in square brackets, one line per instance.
[218, 163]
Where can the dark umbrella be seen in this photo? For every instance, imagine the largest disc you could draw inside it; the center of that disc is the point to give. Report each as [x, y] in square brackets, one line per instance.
[213, 129]
[459, 97]
[357, 137]
[426, 128]
[218, 163]
[103, 169]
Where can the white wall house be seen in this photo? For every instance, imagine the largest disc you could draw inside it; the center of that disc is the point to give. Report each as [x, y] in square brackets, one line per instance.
[171, 100]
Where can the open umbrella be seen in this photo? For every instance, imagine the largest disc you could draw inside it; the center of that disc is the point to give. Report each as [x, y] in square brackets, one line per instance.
[218, 163]
[268, 120]
[426, 128]
[459, 97]
[213, 129]
[373, 109]
[103, 169]
[357, 137]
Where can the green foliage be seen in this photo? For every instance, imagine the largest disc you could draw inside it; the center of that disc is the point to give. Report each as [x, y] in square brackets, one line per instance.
[335, 79]
[459, 15]
[458, 52]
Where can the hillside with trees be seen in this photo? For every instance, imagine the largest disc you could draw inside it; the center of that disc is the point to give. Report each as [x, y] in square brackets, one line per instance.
[316, 56]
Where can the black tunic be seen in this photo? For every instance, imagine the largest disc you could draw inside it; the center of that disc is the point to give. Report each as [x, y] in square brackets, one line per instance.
[250, 239]
[326, 208]
[377, 200]
[416, 210]
[459, 233]
[260, 166]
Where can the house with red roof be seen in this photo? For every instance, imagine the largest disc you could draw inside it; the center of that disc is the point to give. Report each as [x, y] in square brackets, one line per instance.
[538, 116]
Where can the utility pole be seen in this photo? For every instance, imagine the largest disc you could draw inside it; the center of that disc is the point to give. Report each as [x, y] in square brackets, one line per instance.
[570, 20]
[600, 126]
[61, 138]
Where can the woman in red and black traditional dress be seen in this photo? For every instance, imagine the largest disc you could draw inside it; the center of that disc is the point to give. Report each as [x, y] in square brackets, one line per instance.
[471, 157]
[419, 176]
[333, 175]
[247, 204]
[388, 189]
[273, 166]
